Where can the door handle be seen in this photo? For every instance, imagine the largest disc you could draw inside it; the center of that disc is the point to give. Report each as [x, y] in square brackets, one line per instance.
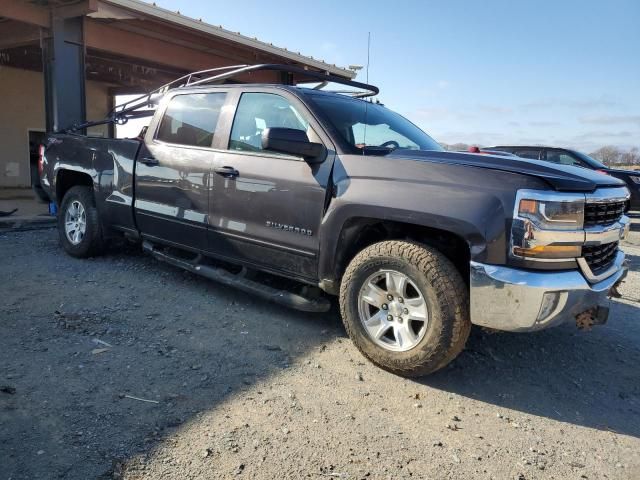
[226, 172]
[148, 161]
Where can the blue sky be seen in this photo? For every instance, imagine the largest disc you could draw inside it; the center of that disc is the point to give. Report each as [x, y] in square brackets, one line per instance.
[565, 72]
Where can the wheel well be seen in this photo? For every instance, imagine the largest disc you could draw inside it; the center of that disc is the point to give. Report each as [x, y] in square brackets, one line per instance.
[69, 178]
[359, 233]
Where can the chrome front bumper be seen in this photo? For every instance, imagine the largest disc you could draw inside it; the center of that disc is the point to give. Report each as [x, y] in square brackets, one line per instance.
[518, 300]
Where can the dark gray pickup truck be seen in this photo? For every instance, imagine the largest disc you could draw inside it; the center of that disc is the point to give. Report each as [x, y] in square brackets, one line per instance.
[344, 196]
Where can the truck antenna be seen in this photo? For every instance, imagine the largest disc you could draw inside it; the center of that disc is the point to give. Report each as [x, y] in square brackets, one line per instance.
[368, 53]
[366, 105]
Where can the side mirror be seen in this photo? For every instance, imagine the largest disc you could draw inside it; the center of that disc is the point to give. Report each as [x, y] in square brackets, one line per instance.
[295, 142]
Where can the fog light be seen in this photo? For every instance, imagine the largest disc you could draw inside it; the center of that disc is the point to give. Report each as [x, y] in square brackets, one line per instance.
[549, 304]
[549, 251]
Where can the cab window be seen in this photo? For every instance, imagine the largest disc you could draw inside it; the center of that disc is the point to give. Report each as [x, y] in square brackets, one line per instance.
[258, 111]
[191, 119]
[533, 154]
[563, 158]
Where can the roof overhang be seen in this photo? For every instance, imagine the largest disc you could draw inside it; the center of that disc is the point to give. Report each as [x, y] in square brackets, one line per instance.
[123, 13]
[153, 11]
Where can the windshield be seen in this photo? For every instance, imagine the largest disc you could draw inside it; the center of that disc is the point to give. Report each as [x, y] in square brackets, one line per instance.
[370, 128]
[592, 162]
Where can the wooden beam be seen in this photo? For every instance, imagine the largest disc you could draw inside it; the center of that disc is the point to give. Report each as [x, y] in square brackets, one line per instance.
[25, 12]
[110, 39]
[17, 34]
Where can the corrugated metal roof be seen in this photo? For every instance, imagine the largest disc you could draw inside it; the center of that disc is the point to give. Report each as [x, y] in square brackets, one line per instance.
[176, 18]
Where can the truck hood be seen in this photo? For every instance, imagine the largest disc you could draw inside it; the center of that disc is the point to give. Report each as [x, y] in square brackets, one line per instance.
[560, 177]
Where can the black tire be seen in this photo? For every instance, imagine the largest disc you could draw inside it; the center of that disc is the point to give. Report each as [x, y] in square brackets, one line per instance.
[92, 242]
[441, 286]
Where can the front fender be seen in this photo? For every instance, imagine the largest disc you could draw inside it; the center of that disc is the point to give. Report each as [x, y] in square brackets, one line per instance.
[472, 203]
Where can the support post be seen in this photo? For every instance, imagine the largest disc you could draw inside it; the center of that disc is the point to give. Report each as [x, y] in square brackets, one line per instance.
[64, 73]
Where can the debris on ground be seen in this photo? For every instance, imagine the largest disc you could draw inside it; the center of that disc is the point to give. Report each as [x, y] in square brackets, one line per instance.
[140, 399]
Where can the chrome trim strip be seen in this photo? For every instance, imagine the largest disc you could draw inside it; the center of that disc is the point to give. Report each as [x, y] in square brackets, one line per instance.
[551, 195]
[592, 278]
[601, 235]
[609, 195]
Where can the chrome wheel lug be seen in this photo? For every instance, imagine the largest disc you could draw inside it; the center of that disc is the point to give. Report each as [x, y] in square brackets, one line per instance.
[390, 297]
[400, 299]
[399, 319]
[405, 311]
[385, 306]
[390, 318]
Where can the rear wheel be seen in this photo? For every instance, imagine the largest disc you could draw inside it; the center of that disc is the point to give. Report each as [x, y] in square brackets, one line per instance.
[79, 228]
[405, 306]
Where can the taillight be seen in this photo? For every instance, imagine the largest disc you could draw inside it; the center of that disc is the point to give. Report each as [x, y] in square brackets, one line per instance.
[40, 159]
[602, 172]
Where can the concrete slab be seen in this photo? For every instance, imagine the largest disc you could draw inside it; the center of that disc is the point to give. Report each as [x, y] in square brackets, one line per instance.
[30, 213]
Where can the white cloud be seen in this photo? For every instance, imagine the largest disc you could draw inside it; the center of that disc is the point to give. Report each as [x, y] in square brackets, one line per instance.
[588, 103]
[610, 119]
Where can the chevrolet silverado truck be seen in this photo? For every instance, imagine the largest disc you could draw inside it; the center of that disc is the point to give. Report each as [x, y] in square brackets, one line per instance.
[343, 197]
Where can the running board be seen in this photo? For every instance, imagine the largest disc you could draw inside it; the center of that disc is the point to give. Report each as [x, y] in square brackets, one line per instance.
[239, 281]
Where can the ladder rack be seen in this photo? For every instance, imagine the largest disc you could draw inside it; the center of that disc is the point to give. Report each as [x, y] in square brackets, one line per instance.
[143, 106]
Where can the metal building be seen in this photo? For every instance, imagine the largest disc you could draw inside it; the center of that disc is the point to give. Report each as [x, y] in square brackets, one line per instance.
[63, 61]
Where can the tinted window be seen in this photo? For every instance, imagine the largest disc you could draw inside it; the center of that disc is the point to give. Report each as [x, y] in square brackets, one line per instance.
[563, 158]
[533, 154]
[257, 112]
[191, 119]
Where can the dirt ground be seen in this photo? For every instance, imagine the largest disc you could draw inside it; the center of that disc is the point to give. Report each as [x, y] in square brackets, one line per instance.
[124, 368]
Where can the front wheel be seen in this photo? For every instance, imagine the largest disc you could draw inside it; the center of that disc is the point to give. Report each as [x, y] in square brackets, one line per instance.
[405, 307]
[79, 228]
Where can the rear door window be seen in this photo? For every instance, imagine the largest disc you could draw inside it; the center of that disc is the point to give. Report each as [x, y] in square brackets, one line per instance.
[191, 119]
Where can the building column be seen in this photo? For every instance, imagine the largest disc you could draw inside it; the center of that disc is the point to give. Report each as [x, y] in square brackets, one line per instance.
[64, 73]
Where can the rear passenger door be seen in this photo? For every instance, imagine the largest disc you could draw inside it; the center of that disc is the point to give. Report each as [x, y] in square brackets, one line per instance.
[266, 207]
[172, 180]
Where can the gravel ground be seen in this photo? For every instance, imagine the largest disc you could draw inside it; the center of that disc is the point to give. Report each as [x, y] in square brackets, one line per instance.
[124, 368]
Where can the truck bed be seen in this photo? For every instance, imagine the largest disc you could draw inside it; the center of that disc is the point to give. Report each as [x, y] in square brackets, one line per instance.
[106, 164]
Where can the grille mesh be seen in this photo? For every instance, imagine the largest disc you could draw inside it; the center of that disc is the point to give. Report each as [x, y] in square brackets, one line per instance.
[603, 213]
[600, 257]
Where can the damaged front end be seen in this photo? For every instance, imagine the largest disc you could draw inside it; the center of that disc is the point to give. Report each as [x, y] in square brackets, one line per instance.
[516, 300]
[581, 234]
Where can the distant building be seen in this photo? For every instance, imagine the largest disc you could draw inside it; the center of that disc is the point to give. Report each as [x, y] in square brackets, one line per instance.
[63, 61]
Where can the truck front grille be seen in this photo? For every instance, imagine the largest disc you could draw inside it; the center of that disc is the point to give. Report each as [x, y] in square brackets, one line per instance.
[600, 257]
[603, 213]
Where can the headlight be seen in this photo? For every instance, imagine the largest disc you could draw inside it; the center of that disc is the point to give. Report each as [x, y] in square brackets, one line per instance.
[547, 226]
[635, 179]
[553, 214]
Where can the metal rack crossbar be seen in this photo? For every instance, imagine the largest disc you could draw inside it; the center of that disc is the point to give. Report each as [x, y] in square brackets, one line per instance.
[143, 105]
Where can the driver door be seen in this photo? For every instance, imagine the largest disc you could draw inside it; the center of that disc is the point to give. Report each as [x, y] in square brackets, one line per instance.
[266, 207]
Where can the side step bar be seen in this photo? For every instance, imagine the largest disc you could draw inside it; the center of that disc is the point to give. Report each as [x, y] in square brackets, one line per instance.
[282, 297]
